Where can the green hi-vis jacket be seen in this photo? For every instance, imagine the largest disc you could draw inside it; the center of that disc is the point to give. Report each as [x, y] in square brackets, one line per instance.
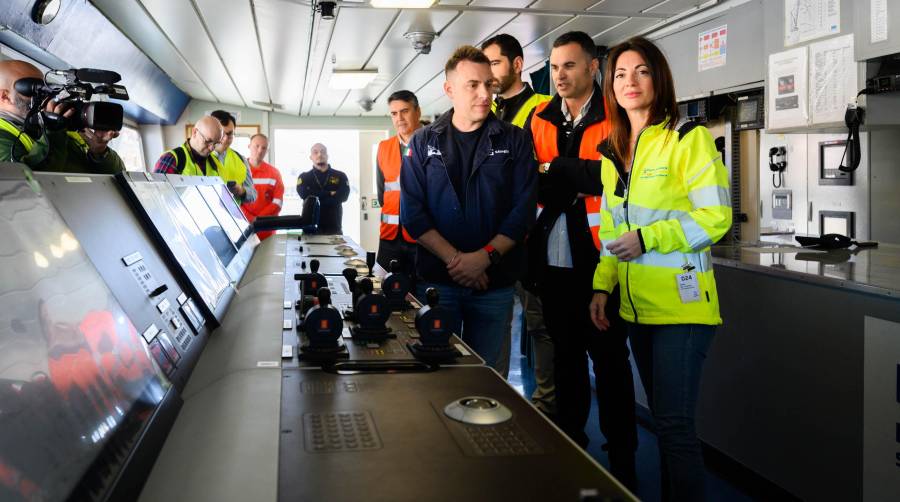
[677, 197]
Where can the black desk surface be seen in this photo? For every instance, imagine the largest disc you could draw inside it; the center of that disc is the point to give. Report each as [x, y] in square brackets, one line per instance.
[393, 442]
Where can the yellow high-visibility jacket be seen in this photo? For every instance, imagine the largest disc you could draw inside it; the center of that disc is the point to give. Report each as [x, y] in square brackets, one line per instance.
[676, 196]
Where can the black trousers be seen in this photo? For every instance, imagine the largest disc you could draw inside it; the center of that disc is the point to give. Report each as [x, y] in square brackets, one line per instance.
[400, 250]
[567, 316]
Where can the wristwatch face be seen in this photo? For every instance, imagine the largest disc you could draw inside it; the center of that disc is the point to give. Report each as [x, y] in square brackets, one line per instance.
[494, 256]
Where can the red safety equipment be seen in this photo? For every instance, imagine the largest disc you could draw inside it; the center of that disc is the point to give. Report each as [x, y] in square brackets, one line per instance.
[270, 194]
[389, 163]
[544, 134]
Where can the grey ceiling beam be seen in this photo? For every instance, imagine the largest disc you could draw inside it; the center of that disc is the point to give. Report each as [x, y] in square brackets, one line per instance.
[522, 10]
[262, 59]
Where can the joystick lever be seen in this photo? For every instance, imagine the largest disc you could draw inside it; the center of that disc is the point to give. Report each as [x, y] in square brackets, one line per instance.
[433, 325]
[372, 312]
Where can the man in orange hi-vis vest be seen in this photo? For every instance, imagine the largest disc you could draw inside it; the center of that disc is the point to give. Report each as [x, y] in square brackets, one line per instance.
[564, 248]
[395, 243]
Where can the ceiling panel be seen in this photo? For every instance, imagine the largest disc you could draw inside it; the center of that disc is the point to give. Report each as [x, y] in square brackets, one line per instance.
[469, 28]
[284, 36]
[624, 6]
[321, 39]
[231, 26]
[623, 31]
[395, 53]
[131, 19]
[356, 36]
[181, 24]
[673, 7]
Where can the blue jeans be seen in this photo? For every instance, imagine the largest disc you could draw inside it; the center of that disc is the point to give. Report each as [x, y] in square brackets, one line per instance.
[670, 360]
[482, 319]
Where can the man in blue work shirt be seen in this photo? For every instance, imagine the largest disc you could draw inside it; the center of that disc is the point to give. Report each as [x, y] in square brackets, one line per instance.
[468, 198]
[329, 185]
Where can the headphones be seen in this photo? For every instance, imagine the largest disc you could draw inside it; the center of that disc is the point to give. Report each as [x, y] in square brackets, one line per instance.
[853, 118]
[777, 163]
[777, 158]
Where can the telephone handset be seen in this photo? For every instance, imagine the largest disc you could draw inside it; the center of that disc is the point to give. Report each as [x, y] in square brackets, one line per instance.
[777, 163]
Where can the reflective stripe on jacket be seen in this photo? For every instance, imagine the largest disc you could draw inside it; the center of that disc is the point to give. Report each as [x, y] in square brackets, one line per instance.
[270, 194]
[546, 149]
[389, 161]
[187, 167]
[525, 110]
[677, 196]
[25, 139]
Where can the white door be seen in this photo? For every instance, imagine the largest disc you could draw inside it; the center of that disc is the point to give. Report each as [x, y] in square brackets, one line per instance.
[369, 211]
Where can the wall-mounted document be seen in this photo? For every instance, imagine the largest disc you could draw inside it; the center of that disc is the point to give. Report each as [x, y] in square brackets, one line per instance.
[787, 89]
[832, 77]
[810, 19]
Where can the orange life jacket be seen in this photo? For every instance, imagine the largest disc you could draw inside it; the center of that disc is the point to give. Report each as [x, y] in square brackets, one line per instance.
[389, 163]
[545, 149]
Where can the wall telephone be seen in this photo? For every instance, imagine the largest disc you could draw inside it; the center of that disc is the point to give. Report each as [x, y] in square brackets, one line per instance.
[777, 164]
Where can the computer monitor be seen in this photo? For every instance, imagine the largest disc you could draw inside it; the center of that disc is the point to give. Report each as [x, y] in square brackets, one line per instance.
[175, 230]
[220, 209]
[78, 386]
[220, 241]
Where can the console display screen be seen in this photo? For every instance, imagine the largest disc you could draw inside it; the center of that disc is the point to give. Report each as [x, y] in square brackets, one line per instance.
[77, 383]
[231, 205]
[208, 223]
[235, 233]
[184, 239]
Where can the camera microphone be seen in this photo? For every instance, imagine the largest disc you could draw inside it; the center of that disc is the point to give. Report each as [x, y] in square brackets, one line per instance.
[97, 76]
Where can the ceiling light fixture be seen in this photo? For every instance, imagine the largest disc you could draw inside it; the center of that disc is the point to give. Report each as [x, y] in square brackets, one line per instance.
[352, 79]
[402, 4]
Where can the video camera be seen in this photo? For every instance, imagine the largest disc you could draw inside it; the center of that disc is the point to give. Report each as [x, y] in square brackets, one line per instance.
[75, 87]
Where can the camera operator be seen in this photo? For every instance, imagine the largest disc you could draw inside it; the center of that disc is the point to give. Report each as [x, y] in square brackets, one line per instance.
[86, 151]
[15, 145]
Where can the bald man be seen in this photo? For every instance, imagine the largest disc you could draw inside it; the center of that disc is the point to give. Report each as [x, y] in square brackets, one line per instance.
[329, 185]
[193, 157]
[85, 151]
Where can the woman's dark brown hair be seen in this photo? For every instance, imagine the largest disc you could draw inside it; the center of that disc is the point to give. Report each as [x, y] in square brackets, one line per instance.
[664, 107]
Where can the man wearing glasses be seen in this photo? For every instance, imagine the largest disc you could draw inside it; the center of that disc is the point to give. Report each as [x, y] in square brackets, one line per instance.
[235, 169]
[193, 157]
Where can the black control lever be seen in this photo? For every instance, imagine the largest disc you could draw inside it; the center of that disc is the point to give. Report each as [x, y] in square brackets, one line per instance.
[323, 327]
[395, 286]
[433, 324]
[370, 262]
[371, 312]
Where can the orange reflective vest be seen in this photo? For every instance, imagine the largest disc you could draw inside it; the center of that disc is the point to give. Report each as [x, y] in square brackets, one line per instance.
[389, 163]
[545, 149]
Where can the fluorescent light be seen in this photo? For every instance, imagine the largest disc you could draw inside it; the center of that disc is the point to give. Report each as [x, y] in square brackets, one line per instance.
[402, 4]
[352, 79]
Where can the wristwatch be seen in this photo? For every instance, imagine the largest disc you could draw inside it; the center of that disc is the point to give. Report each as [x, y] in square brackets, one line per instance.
[493, 254]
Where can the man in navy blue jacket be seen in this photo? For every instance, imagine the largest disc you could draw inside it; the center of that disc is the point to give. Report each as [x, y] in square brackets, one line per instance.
[468, 195]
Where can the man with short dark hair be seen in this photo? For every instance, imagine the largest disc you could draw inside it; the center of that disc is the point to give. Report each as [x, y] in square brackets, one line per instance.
[268, 183]
[395, 243]
[468, 199]
[564, 249]
[329, 185]
[234, 166]
[516, 99]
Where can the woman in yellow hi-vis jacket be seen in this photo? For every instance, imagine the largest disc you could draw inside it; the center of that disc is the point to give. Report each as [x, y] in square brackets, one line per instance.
[665, 201]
